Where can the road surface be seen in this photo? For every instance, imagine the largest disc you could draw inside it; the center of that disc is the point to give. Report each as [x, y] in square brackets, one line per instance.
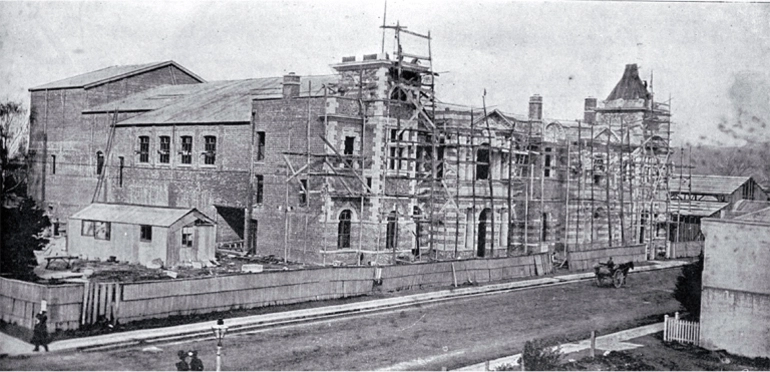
[429, 337]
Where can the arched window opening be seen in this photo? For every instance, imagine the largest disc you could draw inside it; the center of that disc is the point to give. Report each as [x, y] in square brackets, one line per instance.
[391, 239]
[99, 162]
[343, 229]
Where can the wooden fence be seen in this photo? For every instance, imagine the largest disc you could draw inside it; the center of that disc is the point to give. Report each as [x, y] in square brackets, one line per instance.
[675, 329]
[402, 277]
[584, 257]
[20, 301]
[686, 249]
[73, 305]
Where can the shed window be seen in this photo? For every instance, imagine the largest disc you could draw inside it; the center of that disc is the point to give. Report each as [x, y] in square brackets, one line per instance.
[210, 154]
[187, 236]
[187, 145]
[165, 149]
[144, 149]
[53, 164]
[101, 230]
[145, 233]
[260, 146]
[87, 228]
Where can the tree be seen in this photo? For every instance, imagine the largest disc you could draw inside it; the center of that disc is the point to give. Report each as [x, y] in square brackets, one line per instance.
[22, 227]
[688, 287]
[21, 221]
[13, 142]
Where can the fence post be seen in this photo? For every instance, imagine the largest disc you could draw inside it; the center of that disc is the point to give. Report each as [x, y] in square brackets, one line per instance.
[593, 344]
[665, 327]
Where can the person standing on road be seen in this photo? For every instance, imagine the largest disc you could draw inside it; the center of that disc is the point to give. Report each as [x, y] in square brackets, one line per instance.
[40, 332]
[181, 365]
[195, 363]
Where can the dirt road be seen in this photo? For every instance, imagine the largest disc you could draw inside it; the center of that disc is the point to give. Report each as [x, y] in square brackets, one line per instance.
[449, 334]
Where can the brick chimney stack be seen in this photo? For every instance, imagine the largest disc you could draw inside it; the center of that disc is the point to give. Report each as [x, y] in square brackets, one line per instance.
[290, 85]
[536, 107]
[589, 113]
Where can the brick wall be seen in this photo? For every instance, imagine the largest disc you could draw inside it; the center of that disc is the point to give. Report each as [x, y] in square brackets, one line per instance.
[60, 130]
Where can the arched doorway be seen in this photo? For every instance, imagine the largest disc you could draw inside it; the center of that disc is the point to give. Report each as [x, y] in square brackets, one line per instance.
[482, 234]
[343, 229]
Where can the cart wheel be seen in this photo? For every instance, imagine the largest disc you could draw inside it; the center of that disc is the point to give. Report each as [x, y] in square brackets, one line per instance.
[618, 279]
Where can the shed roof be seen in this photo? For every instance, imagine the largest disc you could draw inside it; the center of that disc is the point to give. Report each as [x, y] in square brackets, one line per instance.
[107, 74]
[136, 214]
[699, 208]
[709, 184]
[222, 101]
[762, 215]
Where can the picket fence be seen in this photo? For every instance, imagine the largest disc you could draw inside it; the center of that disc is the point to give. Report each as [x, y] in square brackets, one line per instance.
[675, 329]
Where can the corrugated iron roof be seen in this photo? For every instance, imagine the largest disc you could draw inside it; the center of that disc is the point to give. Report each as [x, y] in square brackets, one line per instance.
[153, 99]
[699, 208]
[708, 184]
[135, 214]
[108, 74]
[762, 215]
[225, 101]
[742, 207]
[630, 86]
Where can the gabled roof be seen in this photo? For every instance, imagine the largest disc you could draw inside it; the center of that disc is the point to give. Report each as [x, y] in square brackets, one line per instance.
[222, 101]
[709, 184]
[630, 86]
[136, 214]
[107, 74]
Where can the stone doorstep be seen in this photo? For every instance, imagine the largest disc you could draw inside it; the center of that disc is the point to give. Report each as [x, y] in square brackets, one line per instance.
[296, 315]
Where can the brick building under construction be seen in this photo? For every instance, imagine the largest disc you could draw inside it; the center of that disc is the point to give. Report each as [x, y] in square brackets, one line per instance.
[363, 165]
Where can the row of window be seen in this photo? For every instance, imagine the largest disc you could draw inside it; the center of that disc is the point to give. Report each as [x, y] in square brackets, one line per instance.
[186, 148]
[101, 230]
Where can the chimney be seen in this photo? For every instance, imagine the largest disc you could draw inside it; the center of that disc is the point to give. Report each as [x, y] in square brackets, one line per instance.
[589, 113]
[290, 85]
[536, 107]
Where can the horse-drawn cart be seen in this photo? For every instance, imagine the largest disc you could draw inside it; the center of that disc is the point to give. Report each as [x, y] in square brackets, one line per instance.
[615, 275]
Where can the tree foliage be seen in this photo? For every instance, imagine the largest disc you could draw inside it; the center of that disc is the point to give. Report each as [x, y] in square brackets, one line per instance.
[538, 356]
[21, 221]
[688, 287]
[22, 227]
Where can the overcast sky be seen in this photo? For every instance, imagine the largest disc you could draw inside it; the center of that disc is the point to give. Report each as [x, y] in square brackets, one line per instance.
[711, 58]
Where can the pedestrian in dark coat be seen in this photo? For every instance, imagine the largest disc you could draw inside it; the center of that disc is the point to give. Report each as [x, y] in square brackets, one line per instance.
[181, 365]
[195, 363]
[40, 332]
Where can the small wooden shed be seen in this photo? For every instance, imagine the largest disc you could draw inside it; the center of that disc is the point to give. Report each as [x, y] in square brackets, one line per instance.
[142, 234]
